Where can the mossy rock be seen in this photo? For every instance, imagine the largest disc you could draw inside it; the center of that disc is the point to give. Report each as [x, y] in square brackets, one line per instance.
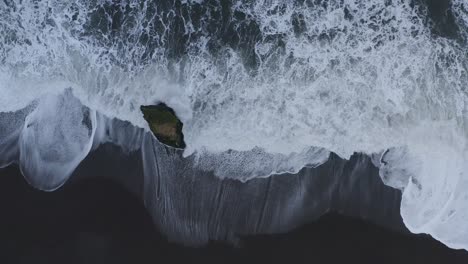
[164, 124]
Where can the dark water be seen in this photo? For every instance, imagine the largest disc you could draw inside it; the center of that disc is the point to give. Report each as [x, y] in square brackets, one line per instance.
[224, 26]
[95, 220]
[99, 216]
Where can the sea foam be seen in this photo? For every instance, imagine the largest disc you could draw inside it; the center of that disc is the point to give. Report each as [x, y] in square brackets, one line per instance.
[262, 87]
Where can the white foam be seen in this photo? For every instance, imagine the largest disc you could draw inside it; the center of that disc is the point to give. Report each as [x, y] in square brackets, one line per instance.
[55, 138]
[10, 130]
[325, 98]
[246, 165]
[362, 76]
[435, 200]
[460, 11]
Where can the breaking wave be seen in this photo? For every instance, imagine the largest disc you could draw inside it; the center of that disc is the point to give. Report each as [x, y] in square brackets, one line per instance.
[262, 87]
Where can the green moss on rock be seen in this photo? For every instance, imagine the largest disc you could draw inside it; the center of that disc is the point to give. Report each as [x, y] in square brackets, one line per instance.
[164, 124]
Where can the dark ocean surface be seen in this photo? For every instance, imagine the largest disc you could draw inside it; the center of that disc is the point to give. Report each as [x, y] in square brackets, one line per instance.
[150, 205]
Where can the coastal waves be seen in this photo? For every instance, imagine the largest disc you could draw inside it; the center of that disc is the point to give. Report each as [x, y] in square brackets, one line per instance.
[262, 87]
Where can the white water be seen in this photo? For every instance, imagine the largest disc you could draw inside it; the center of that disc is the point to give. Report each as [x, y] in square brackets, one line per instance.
[361, 76]
[56, 137]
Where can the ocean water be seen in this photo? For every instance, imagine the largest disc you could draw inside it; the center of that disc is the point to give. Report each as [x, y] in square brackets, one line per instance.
[262, 87]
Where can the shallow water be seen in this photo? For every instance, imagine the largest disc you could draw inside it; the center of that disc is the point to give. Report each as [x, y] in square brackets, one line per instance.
[263, 88]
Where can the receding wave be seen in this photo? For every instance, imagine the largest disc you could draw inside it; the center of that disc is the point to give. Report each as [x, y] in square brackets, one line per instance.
[262, 87]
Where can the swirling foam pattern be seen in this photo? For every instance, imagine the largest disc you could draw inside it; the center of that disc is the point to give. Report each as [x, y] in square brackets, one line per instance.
[272, 84]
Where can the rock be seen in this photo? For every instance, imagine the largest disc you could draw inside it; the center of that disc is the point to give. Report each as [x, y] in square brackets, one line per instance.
[164, 124]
